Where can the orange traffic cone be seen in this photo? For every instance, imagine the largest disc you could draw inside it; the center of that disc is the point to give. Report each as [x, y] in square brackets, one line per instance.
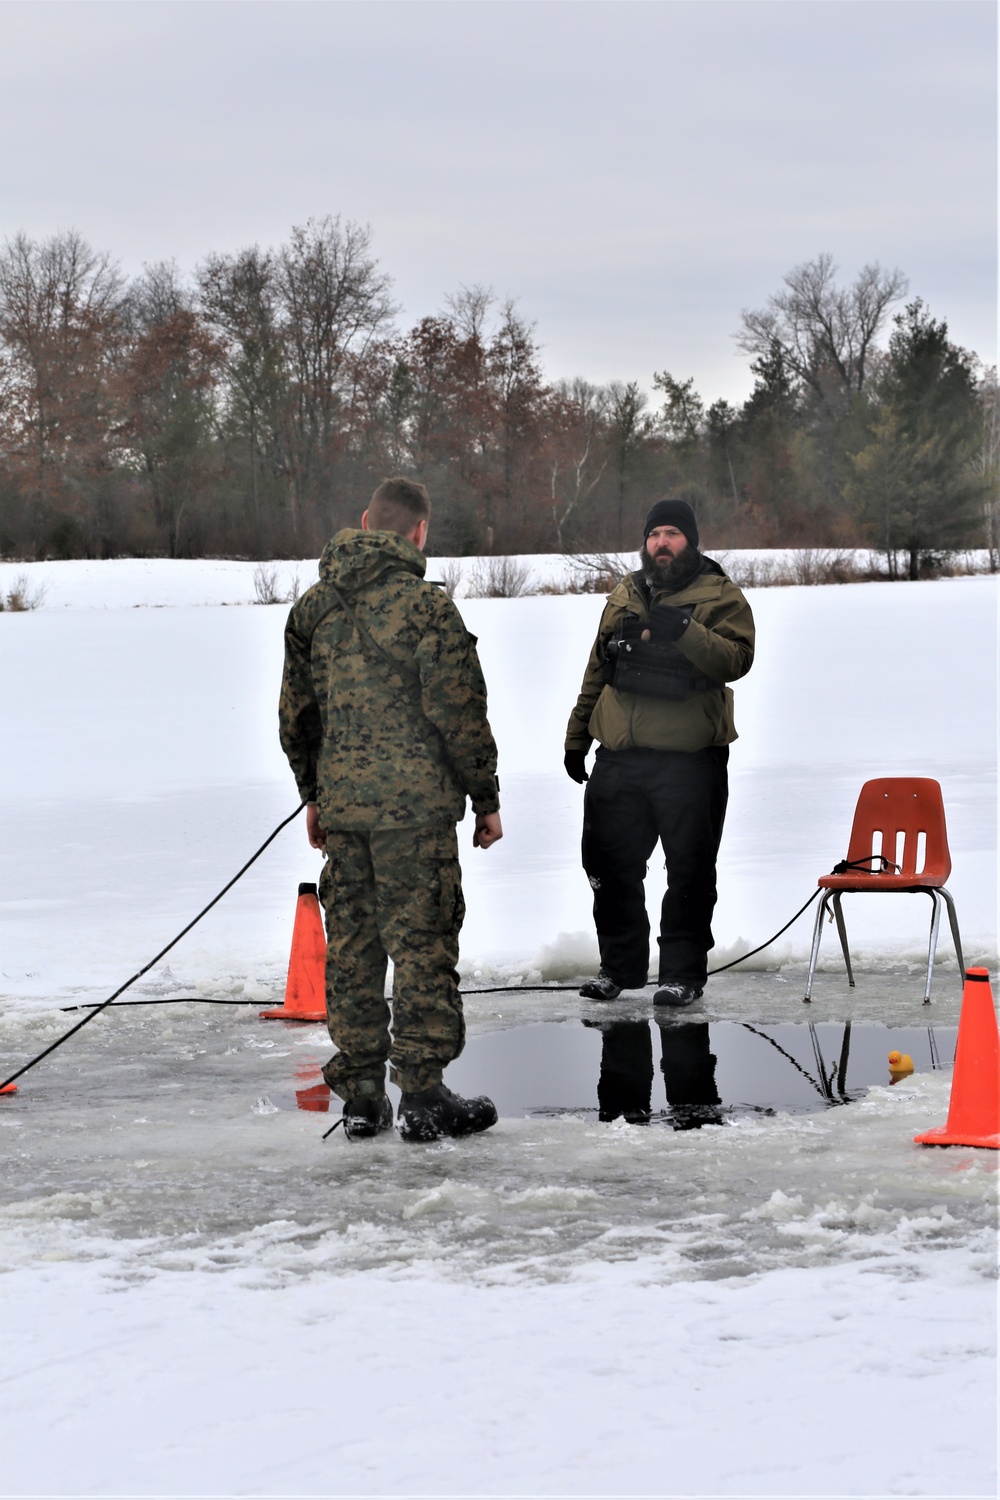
[11, 1088]
[305, 991]
[974, 1108]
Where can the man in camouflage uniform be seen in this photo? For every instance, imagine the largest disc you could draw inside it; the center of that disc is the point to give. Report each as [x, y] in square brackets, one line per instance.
[383, 720]
[655, 698]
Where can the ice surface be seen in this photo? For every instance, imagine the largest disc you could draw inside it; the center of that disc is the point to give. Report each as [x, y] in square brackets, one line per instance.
[181, 1123]
[202, 1295]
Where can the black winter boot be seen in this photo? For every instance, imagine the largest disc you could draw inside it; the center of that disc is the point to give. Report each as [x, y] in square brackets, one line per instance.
[366, 1115]
[601, 988]
[437, 1111]
[677, 992]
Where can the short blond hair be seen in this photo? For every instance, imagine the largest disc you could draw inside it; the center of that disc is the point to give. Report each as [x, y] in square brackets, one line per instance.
[399, 505]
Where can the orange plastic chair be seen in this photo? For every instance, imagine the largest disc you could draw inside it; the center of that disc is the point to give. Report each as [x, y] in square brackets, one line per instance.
[898, 825]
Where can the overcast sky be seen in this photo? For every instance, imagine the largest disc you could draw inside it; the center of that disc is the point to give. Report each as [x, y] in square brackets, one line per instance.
[633, 173]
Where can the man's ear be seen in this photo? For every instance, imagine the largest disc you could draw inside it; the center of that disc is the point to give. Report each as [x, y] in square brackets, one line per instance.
[418, 536]
[364, 522]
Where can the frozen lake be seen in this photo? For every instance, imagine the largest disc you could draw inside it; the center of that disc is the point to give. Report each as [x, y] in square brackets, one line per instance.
[207, 1297]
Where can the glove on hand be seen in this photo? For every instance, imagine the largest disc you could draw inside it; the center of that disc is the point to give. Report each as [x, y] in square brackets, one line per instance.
[575, 762]
[666, 623]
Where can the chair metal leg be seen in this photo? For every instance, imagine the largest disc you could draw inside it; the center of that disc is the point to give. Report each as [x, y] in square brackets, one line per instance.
[953, 919]
[933, 942]
[838, 912]
[814, 955]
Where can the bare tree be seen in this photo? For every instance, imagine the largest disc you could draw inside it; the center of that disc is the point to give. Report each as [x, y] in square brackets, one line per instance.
[988, 463]
[469, 308]
[333, 302]
[156, 296]
[576, 418]
[239, 301]
[824, 332]
[629, 428]
[516, 383]
[60, 313]
[167, 382]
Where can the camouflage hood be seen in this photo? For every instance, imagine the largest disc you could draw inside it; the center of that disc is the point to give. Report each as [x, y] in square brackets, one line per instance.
[353, 560]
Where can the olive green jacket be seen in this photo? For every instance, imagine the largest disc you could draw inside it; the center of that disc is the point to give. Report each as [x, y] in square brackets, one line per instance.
[384, 744]
[718, 641]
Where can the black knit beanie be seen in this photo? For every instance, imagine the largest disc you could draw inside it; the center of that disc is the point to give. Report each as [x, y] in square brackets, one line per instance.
[677, 513]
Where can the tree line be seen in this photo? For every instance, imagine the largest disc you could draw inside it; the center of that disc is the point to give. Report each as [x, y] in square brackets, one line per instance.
[251, 409]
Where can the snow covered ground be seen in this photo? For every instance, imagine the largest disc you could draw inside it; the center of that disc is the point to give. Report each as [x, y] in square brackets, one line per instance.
[204, 1297]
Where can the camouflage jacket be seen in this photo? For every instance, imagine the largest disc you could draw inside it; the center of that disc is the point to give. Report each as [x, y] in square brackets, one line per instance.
[719, 643]
[384, 743]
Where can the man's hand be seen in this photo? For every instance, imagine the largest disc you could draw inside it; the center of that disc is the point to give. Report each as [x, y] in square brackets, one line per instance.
[316, 834]
[575, 762]
[666, 623]
[488, 830]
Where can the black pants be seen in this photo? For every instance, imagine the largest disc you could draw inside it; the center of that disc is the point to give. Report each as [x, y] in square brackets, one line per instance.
[633, 799]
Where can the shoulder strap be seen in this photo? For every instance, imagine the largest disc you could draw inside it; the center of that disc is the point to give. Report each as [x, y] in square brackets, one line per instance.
[642, 587]
[363, 632]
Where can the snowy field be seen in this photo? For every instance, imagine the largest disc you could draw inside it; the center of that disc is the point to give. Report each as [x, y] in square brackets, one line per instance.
[203, 1297]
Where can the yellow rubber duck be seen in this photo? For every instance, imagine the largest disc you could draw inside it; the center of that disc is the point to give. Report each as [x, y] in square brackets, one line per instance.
[900, 1066]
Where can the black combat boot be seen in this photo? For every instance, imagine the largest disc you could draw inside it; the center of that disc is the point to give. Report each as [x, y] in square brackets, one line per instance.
[437, 1111]
[366, 1115]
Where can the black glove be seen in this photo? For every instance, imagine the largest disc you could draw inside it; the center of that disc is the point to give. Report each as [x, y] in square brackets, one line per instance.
[667, 623]
[575, 762]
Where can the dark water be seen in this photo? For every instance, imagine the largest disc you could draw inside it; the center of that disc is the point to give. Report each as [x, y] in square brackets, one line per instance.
[679, 1073]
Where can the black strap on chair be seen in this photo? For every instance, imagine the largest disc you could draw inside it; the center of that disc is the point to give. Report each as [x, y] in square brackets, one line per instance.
[865, 864]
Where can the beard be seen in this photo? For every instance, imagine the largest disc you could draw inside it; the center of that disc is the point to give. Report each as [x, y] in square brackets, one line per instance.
[669, 572]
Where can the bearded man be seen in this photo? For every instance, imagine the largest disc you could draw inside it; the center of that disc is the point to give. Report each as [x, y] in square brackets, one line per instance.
[655, 699]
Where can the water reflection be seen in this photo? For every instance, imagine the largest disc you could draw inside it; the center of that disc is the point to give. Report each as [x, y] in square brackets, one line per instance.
[312, 1093]
[711, 1071]
[687, 1062]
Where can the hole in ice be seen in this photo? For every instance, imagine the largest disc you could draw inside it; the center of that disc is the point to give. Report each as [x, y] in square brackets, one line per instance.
[683, 1074]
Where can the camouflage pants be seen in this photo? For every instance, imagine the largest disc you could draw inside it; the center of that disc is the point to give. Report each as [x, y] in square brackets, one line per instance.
[392, 894]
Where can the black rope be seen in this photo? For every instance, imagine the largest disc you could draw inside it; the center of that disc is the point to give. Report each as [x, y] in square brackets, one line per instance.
[94, 1009]
[145, 969]
[723, 967]
[500, 989]
[503, 989]
[172, 1000]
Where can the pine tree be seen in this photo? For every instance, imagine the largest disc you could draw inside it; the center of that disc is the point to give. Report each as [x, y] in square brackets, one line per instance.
[914, 483]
